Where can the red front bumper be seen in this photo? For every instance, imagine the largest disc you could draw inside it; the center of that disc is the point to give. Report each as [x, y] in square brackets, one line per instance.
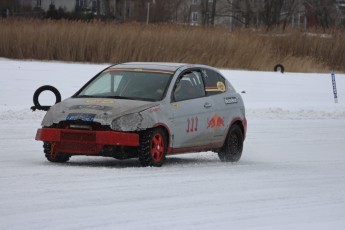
[85, 141]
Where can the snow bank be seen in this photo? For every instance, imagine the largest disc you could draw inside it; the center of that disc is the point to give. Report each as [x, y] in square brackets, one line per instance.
[268, 95]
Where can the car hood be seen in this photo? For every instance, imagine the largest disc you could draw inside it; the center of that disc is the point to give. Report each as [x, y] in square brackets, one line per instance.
[99, 110]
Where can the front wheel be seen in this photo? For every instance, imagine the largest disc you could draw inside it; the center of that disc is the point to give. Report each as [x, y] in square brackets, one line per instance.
[153, 147]
[53, 156]
[233, 145]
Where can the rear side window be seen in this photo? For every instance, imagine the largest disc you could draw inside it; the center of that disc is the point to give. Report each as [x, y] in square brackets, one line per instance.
[214, 82]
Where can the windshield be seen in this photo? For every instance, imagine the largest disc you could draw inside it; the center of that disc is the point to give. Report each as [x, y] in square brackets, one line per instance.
[147, 85]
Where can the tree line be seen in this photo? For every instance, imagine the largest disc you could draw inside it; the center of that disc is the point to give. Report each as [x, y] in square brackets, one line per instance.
[241, 13]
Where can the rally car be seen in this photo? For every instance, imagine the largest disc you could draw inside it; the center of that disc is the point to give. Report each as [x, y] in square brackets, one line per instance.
[147, 111]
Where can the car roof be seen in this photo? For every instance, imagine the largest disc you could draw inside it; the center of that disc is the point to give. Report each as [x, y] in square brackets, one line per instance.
[167, 66]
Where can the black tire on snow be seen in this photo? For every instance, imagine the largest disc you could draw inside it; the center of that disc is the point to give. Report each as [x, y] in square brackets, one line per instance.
[153, 147]
[279, 67]
[233, 145]
[57, 157]
[42, 89]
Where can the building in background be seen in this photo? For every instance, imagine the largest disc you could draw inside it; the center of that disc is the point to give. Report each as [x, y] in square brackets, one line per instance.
[96, 7]
[67, 5]
[228, 13]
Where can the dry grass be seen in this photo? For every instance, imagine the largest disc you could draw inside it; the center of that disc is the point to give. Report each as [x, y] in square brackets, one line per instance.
[101, 42]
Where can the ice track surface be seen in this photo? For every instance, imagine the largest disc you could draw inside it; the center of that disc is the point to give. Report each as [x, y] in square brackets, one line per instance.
[291, 175]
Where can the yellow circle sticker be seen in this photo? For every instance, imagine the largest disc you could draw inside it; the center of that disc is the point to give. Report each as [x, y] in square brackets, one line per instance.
[175, 105]
[220, 86]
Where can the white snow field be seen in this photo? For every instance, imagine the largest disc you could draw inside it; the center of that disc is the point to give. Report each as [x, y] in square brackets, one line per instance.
[291, 175]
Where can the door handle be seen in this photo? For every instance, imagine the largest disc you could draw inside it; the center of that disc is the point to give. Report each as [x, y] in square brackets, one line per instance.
[207, 105]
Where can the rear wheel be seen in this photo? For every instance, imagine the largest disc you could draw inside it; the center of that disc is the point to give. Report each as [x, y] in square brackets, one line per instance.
[233, 145]
[53, 156]
[153, 147]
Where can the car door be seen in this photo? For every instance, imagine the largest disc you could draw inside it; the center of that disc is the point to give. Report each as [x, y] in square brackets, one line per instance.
[216, 88]
[191, 110]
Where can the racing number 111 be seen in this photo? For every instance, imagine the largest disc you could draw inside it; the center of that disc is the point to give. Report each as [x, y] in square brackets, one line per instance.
[192, 124]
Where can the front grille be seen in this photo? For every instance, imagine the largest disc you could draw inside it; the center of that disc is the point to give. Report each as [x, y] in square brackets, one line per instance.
[78, 136]
[74, 125]
[80, 148]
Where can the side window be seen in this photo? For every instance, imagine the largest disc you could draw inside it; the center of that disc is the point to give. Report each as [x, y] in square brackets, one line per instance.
[189, 86]
[214, 82]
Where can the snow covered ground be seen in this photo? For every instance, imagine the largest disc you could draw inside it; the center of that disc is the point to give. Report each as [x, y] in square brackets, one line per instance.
[291, 175]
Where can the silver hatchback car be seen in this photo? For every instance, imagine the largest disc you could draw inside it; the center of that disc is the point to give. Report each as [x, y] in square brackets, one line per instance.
[147, 111]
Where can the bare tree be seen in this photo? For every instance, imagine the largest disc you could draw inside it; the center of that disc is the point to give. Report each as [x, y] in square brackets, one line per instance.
[290, 6]
[241, 12]
[271, 12]
[324, 12]
[214, 6]
[163, 11]
[159, 10]
[177, 9]
[209, 11]
[107, 8]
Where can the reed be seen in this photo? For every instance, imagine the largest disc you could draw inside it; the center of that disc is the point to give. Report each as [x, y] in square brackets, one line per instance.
[105, 42]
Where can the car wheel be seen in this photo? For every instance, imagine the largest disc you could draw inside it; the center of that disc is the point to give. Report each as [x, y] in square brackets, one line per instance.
[233, 145]
[153, 147]
[53, 156]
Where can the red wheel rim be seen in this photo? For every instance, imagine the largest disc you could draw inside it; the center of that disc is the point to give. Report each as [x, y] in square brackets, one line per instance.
[157, 147]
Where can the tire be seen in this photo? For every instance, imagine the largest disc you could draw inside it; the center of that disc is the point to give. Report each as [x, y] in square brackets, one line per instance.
[233, 145]
[41, 89]
[279, 67]
[153, 147]
[54, 157]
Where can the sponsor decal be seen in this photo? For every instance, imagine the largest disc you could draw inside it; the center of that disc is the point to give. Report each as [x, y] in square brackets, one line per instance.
[100, 101]
[192, 124]
[221, 86]
[230, 100]
[154, 110]
[115, 70]
[211, 89]
[215, 122]
[175, 105]
[92, 106]
[80, 116]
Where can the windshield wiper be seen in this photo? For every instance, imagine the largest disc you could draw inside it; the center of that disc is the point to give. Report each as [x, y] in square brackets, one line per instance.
[122, 97]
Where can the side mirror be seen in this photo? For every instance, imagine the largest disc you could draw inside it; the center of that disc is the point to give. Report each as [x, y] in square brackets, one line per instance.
[37, 93]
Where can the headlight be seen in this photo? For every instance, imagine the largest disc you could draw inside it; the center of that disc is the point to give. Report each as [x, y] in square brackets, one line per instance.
[130, 122]
[48, 119]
